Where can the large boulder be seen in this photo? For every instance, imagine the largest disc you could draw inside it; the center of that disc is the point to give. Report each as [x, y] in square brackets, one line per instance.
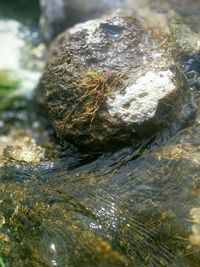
[57, 15]
[107, 81]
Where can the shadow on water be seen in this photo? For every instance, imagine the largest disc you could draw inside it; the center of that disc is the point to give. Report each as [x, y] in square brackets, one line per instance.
[126, 208]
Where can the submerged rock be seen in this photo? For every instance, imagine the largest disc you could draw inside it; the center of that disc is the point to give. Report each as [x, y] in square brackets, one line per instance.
[57, 15]
[107, 81]
[114, 211]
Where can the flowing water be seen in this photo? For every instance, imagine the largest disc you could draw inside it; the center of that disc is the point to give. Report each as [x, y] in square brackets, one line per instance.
[60, 206]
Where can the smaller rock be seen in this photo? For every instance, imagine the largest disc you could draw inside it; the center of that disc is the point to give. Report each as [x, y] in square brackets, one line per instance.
[186, 41]
[21, 147]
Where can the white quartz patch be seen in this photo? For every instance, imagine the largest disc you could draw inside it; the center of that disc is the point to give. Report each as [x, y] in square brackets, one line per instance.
[90, 25]
[139, 101]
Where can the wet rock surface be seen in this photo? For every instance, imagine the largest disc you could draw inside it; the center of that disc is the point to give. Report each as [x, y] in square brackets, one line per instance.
[57, 15]
[148, 218]
[107, 81]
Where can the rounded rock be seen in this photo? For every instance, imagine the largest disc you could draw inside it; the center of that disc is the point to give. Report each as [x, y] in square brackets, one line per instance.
[107, 82]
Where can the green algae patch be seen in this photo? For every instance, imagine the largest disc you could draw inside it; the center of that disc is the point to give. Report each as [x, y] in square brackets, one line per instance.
[2, 263]
[9, 85]
[9, 81]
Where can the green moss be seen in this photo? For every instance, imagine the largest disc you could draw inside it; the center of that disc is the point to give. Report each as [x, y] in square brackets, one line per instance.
[92, 89]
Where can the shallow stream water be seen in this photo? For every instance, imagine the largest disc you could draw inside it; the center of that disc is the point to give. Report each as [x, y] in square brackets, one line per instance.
[60, 206]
